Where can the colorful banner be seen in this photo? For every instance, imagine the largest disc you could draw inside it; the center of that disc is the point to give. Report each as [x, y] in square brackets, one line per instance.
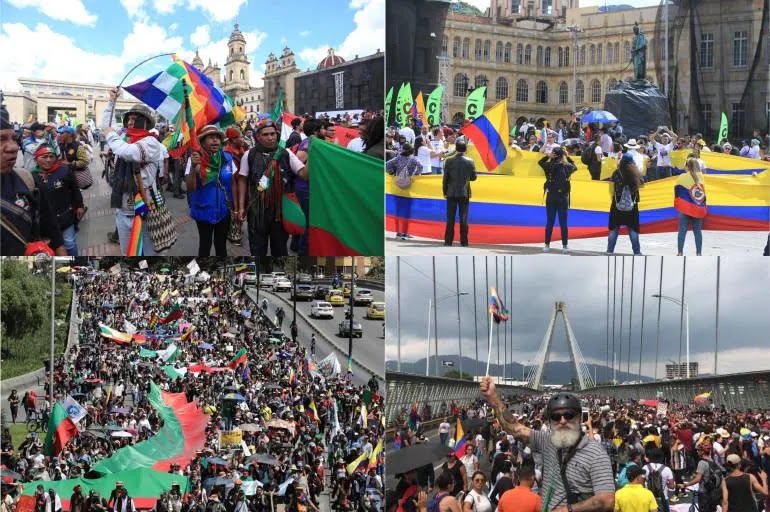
[404, 104]
[474, 105]
[388, 99]
[433, 106]
[231, 438]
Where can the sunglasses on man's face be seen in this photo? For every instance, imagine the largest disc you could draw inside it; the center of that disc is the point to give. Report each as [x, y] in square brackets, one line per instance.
[568, 415]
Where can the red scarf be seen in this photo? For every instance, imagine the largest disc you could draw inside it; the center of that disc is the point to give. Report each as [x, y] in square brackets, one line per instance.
[136, 134]
[53, 168]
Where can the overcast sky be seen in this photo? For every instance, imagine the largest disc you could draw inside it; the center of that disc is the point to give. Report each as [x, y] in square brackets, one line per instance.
[484, 4]
[537, 282]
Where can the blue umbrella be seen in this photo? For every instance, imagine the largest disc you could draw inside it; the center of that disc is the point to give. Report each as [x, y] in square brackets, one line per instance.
[246, 314]
[234, 396]
[210, 483]
[598, 116]
[205, 346]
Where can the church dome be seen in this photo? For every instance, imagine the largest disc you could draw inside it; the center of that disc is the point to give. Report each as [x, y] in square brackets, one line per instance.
[330, 60]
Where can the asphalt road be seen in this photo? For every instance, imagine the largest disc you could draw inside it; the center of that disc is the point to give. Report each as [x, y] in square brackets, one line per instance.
[368, 351]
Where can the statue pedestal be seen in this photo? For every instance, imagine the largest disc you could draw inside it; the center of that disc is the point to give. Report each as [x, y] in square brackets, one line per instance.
[639, 105]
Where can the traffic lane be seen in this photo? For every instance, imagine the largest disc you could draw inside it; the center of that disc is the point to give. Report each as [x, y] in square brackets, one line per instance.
[369, 349]
[305, 329]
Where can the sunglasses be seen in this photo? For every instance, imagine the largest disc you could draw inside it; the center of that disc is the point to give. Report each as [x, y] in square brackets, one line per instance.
[479, 480]
[557, 416]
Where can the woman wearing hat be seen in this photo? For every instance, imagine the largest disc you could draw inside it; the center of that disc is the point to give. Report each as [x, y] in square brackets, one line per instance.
[209, 185]
[624, 210]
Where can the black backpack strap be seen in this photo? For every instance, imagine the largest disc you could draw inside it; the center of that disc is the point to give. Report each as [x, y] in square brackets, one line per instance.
[564, 459]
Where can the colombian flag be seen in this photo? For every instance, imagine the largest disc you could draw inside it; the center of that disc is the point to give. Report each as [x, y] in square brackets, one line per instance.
[489, 133]
[460, 440]
[496, 307]
[702, 397]
[690, 197]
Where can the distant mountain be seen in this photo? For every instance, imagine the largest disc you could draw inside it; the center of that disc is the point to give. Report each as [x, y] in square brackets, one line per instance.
[555, 372]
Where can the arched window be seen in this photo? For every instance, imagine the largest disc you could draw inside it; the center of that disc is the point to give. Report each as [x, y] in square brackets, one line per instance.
[539, 56]
[522, 91]
[232, 52]
[561, 57]
[477, 49]
[528, 55]
[609, 53]
[240, 49]
[501, 88]
[563, 93]
[599, 54]
[580, 92]
[487, 50]
[456, 47]
[583, 55]
[461, 85]
[466, 48]
[519, 54]
[243, 75]
[596, 91]
[592, 55]
[499, 51]
[479, 81]
[626, 51]
[445, 46]
[566, 56]
[541, 92]
[617, 53]
[548, 57]
[231, 75]
[611, 83]
[507, 54]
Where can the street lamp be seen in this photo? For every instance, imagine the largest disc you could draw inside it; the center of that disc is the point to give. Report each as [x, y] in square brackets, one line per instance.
[686, 325]
[427, 347]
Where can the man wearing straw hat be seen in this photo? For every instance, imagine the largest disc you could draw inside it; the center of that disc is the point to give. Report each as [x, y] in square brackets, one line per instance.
[577, 474]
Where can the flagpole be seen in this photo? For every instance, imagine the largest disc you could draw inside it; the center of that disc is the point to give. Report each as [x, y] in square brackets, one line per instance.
[489, 346]
[112, 114]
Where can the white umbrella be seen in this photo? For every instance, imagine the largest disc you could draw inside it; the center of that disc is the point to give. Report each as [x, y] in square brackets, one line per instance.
[122, 433]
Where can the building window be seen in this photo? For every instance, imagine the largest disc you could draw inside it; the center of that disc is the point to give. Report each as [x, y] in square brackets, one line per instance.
[611, 83]
[592, 55]
[466, 48]
[739, 118]
[461, 85]
[617, 53]
[740, 48]
[596, 91]
[541, 92]
[522, 91]
[487, 50]
[231, 75]
[507, 54]
[539, 56]
[477, 49]
[232, 52]
[499, 52]
[501, 88]
[444, 46]
[583, 55]
[707, 50]
[566, 56]
[548, 57]
[243, 75]
[563, 93]
[561, 57]
[706, 109]
[528, 55]
[456, 47]
[479, 81]
[627, 51]
[599, 54]
[609, 53]
[519, 54]
[580, 92]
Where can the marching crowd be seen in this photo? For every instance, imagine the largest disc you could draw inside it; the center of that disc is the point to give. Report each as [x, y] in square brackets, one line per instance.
[607, 454]
[301, 427]
[237, 178]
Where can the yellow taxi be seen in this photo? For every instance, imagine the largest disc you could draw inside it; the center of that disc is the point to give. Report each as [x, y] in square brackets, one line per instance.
[376, 311]
[335, 297]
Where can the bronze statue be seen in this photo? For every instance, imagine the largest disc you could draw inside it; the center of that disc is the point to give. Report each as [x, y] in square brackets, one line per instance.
[639, 53]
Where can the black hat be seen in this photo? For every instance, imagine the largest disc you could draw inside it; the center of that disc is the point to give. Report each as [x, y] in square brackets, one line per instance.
[563, 401]
[5, 119]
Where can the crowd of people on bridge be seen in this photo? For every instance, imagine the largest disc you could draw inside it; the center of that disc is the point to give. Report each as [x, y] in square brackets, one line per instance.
[309, 436]
[43, 205]
[566, 452]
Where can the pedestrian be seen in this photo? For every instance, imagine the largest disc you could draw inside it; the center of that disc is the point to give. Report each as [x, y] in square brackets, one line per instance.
[208, 177]
[77, 500]
[476, 499]
[690, 204]
[469, 460]
[235, 147]
[558, 168]
[634, 497]
[663, 141]
[312, 345]
[52, 502]
[459, 171]
[659, 478]
[624, 210]
[403, 168]
[709, 476]
[578, 472]
[13, 404]
[455, 468]
[521, 498]
[738, 488]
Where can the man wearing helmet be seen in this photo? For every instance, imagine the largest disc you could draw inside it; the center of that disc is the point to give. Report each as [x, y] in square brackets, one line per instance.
[570, 460]
[136, 168]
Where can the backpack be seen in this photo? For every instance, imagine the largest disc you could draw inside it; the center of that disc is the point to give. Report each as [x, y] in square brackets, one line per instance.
[655, 481]
[587, 156]
[626, 202]
[433, 504]
[403, 178]
[712, 487]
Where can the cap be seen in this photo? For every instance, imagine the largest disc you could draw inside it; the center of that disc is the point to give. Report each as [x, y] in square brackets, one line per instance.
[66, 129]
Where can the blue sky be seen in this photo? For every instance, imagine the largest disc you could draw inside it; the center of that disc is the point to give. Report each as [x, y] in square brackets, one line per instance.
[484, 4]
[99, 40]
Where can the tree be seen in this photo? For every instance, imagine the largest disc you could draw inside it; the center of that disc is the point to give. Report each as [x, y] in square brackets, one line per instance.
[455, 374]
[25, 299]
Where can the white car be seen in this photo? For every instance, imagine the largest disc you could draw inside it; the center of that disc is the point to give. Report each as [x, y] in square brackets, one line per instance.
[265, 280]
[281, 285]
[249, 278]
[321, 309]
[279, 275]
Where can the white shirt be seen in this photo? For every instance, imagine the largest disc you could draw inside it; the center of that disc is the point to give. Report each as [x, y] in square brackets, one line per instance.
[423, 156]
[665, 475]
[438, 147]
[754, 152]
[356, 145]
[638, 160]
[443, 428]
[479, 502]
[408, 134]
[664, 153]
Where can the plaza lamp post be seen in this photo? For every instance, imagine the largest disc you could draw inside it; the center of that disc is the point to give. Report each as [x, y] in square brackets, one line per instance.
[686, 328]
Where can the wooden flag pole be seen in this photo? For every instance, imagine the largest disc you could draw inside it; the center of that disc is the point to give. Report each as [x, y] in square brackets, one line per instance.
[489, 346]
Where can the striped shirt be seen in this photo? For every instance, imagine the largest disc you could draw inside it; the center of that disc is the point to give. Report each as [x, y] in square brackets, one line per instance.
[588, 472]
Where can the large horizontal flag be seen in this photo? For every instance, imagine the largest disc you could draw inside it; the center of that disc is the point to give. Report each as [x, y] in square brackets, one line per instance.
[460, 440]
[489, 133]
[240, 357]
[690, 197]
[343, 177]
[61, 429]
[113, 334]
[175, 314]
[496, 307]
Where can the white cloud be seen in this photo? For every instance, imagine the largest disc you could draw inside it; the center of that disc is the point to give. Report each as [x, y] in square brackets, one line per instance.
[221, 10]
[304, 33]
[369, 33]
[167, 6]
[134, 9]
[145, 39]
[173, 27]
[38, 59]
[62, 10]
[310, 57]
[200, 36]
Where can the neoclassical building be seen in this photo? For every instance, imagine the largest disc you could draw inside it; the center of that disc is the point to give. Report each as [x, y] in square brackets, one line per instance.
[558, 58]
